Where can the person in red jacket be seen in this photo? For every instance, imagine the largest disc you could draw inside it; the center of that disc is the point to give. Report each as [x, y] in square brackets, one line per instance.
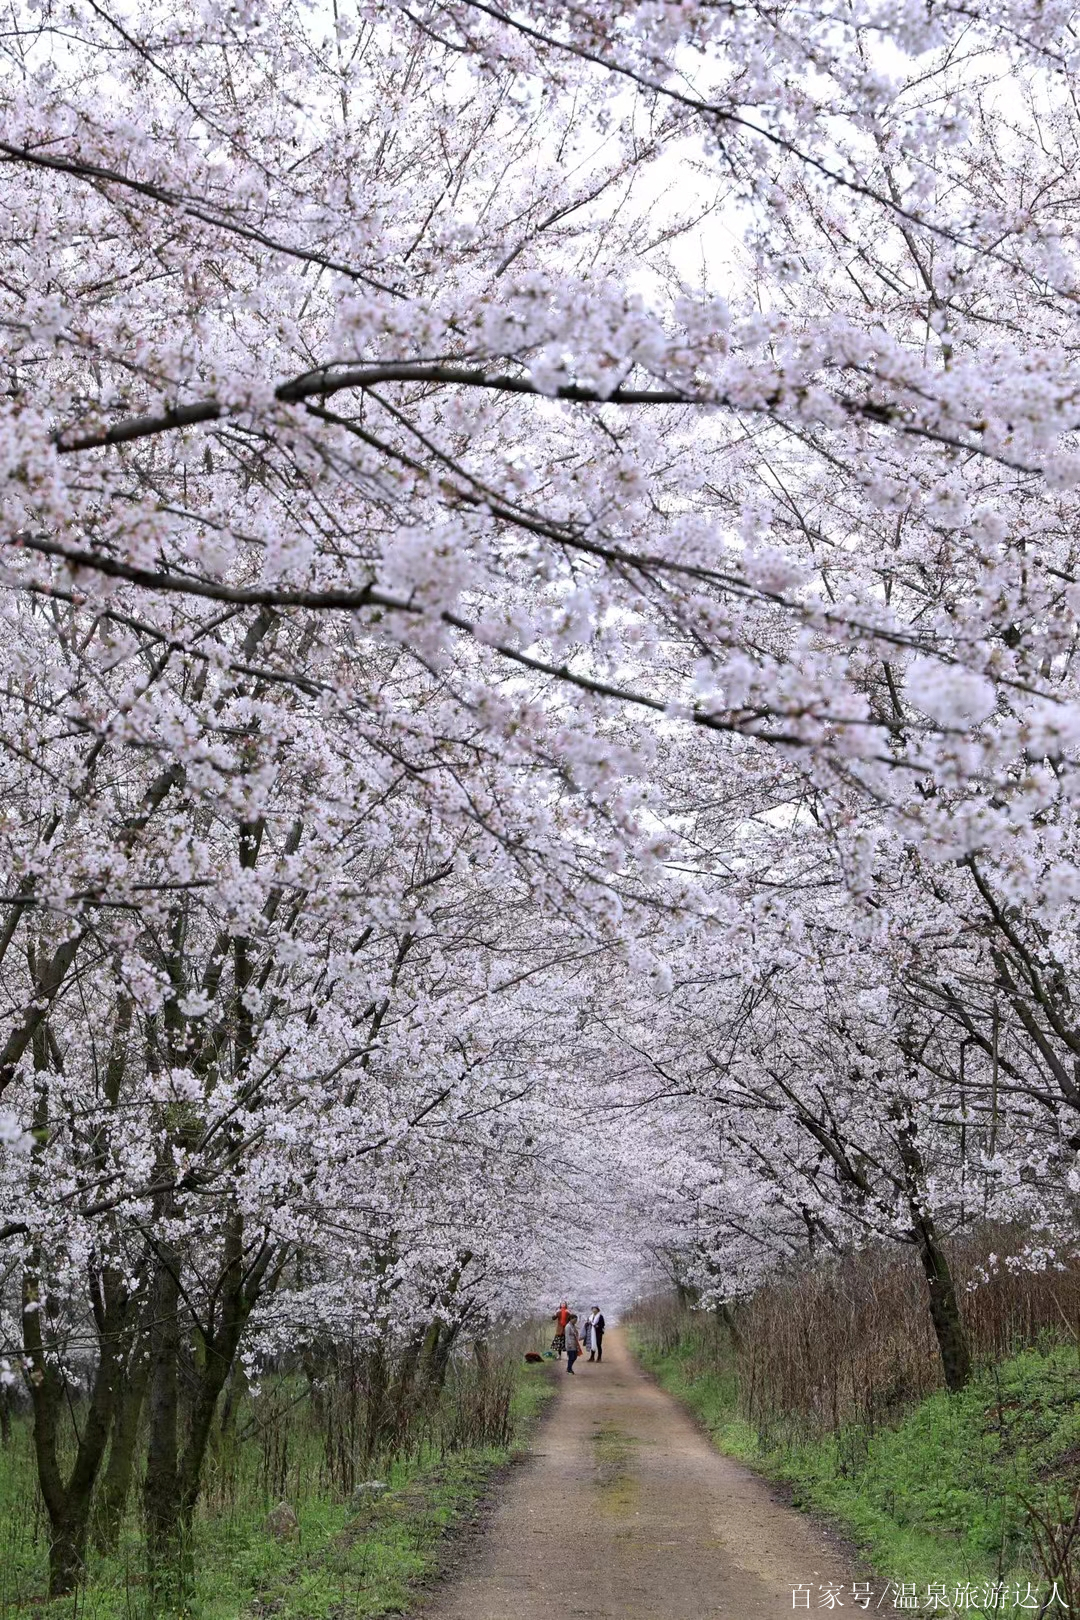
[562, 1316]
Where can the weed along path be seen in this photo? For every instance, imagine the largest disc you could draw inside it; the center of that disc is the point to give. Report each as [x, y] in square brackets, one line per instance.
[625, 1510]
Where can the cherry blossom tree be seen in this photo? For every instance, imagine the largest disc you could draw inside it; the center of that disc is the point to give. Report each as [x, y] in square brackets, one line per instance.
[538, 605]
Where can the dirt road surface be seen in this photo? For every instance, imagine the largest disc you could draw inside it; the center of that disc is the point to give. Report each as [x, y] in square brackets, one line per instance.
[625, 1510]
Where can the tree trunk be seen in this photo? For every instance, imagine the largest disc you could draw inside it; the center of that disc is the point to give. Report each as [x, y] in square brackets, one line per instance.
[116, 1483]
[237, 1387]
[727, 1316]
[944, 1305]
[379, 1417]
[160, 1485]
[68, 1502]
[220, 1354]
[438, 1360]
[405, 1381]
[944, 1309]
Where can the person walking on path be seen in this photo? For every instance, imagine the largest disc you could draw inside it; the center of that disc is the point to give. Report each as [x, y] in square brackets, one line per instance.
[594, 1335]
[558, 1344]
[573, 1343]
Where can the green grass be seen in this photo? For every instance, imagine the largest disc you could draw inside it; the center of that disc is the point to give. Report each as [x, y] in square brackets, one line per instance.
[942, 1495]
[348, 1562]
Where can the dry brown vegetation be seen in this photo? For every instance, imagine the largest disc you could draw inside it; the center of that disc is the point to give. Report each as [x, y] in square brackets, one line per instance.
[850, 1340]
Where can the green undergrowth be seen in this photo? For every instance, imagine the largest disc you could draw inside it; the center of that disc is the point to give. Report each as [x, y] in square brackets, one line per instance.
[944, 1493]
[347, 1560]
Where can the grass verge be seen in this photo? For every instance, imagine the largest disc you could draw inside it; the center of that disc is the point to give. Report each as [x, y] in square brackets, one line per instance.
[352, 1560]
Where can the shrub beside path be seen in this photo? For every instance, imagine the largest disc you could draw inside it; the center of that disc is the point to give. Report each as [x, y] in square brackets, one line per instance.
[625, 1510]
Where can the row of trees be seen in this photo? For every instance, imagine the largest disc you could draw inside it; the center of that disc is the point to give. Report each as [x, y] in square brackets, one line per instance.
[266, 1091]
[539, 593]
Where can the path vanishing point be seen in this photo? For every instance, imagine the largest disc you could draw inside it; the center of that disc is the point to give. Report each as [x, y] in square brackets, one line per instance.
[625, 1510]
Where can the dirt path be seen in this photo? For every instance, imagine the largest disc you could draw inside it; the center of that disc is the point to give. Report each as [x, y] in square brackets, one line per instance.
[625, 1510]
